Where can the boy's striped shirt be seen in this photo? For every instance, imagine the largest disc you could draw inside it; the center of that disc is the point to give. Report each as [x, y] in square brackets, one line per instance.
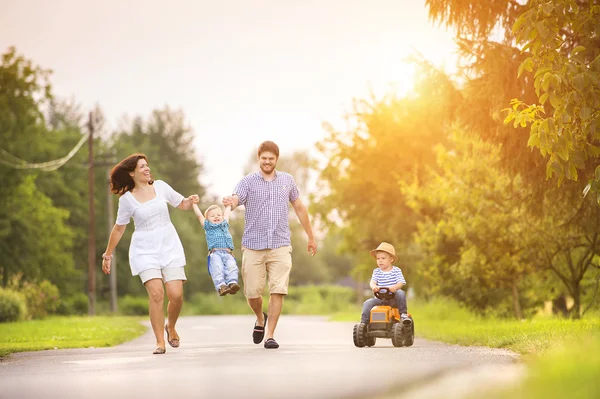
[389, 278]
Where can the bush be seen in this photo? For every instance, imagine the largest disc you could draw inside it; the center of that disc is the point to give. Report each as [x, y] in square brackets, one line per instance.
[42, 299]
[74, 305]
[12, 306]
[134, 306]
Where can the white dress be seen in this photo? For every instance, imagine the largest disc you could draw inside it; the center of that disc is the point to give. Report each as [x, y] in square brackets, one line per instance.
[155, 243]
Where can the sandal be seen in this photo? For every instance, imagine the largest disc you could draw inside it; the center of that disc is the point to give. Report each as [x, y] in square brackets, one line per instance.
[173, 342]
[259, 331]
[271, 344]
[159, 351]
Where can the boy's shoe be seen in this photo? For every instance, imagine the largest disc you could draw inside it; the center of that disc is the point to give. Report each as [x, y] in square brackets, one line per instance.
[405, 319]
[223, 290]
[233, 288]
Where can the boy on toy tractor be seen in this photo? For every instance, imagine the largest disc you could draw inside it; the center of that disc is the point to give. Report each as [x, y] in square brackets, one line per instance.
[385, 315]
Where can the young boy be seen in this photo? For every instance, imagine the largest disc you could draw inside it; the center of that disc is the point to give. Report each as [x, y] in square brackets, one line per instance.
[221, 263]
[386, 276]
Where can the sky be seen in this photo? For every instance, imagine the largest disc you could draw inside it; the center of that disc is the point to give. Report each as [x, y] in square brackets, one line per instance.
[242, 71]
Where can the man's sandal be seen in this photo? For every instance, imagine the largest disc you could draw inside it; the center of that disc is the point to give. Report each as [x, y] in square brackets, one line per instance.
[271, 344]
[259, 331]
[159, 351]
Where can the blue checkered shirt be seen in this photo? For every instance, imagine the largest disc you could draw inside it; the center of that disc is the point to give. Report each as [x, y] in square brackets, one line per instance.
[218, 235]
[266, 219]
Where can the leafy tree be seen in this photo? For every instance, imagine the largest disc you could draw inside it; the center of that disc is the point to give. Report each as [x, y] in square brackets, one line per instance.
[562, 41]
[34, 238]
[389, 141]
[475, 243]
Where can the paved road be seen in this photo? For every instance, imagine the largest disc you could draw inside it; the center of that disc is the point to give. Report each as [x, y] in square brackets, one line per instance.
[217, 358]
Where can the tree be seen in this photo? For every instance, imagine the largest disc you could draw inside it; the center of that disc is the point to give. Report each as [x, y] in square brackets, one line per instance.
[388, 141]
[562, 41]
[35, 240]
[475, 240]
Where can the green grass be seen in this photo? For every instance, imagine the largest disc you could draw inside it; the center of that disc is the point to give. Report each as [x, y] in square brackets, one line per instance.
[68, 332]
[570, 370]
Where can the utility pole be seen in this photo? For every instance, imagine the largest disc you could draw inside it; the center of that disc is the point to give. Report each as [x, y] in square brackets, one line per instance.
[113, 265]
[91, 221]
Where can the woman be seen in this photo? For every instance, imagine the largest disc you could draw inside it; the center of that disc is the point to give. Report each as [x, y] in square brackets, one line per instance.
[155, 253]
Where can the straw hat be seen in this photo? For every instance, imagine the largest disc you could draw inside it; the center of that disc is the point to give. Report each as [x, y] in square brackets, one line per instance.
[385, 247]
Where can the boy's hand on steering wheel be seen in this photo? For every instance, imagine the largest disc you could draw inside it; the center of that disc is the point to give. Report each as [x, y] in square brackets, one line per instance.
[393, 289]
[375, 289]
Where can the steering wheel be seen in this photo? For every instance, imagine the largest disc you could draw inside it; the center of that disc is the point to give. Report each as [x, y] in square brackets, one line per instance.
[384, 294]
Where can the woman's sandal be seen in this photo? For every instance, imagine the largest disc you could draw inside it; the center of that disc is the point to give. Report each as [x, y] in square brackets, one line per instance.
[173, 342]
[159, 351]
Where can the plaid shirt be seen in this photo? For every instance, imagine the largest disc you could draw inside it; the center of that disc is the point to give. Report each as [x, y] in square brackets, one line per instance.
[218, 235]
[266, 219]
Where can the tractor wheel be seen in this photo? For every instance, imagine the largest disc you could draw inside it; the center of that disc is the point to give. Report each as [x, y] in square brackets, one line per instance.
[397, 335]
[358, 335]
[410, 334]
[371, 341]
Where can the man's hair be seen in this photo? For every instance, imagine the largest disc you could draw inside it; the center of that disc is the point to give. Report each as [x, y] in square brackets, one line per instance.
[268, 146]
[210, 208]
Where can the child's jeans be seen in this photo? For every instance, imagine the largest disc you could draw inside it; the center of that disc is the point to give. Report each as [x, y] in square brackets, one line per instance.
[400, 299]
[222, 268]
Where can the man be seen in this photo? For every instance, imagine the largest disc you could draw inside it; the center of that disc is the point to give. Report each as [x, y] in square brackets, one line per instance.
[266, 244]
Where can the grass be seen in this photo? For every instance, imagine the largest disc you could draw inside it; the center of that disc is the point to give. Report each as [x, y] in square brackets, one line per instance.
[569, 370]
[68, 332]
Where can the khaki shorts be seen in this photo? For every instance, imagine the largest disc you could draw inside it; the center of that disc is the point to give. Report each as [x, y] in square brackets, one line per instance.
[257, 266]
[166, 274]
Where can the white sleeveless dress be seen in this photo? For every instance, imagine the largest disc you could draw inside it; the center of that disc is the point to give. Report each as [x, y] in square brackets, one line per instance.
[155, 243]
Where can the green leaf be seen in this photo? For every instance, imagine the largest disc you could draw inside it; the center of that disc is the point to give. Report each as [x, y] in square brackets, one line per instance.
[597, 173]
[555, 101]
[595, 151]
[534, 141]
[546, 81]
[543, 98]
[519, 22]
[563, 153]
[547, 8]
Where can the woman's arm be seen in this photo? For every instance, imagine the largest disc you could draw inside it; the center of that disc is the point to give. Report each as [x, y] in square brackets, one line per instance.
[198, 213]
[113, 240]
[186, 204]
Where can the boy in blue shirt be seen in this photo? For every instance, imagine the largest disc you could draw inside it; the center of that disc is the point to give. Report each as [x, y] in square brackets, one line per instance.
[386, 276]
[221, 263]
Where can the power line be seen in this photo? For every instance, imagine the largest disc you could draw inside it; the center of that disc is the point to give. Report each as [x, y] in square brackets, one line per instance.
[49, 166]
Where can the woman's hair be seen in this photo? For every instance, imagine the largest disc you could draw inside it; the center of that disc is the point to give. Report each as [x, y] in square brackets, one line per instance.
[210, 208]
[268, 146]
[120, 180]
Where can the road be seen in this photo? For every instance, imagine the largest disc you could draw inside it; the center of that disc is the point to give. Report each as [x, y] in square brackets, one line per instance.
[217, 358]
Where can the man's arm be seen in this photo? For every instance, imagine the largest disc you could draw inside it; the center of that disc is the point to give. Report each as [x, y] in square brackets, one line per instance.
[302, 214]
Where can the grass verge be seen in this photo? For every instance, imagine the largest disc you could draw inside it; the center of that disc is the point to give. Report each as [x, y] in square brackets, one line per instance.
[67, 332]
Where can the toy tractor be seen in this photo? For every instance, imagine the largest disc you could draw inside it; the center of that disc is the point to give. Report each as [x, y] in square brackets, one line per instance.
[384, 322]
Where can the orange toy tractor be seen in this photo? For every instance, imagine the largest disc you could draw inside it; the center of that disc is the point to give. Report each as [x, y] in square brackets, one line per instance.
[384, 322]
